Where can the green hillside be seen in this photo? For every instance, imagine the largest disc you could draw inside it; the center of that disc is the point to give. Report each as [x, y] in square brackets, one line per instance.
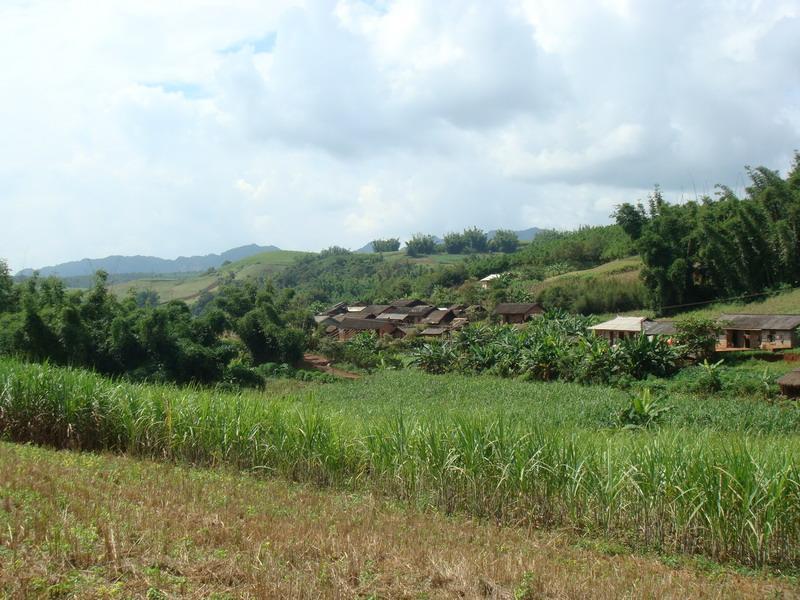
[779, 303]
[189, 288]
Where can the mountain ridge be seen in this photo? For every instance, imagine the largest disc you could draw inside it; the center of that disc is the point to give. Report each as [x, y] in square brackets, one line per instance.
[119, 264]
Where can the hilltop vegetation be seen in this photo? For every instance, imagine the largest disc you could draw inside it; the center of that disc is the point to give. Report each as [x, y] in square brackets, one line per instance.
[719, 247]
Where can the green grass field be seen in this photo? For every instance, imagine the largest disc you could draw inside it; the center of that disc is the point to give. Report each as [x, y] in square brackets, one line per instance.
[189, 288]
[778, 303]
[627, 267]
[719, 477]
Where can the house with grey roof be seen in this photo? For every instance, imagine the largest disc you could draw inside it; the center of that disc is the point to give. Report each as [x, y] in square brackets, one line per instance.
[765, 332]
[620, 328]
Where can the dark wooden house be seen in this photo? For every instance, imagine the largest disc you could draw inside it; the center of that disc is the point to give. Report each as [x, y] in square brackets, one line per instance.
[518, 312]
[766, 332]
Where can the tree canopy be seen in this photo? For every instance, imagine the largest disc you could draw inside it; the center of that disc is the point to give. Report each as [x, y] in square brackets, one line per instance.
[722, 246]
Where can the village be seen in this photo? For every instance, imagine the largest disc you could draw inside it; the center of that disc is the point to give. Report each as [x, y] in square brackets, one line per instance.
[405, 316]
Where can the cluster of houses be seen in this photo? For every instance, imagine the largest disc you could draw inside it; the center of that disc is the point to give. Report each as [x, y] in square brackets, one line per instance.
[406, 316]
[739, 332]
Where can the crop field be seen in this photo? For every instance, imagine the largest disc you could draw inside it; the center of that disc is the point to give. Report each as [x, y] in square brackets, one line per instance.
[719, 478]
[81, 525]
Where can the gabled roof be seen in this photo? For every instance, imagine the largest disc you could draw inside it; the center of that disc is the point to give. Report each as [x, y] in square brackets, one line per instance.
[406, 302]
[421, 310]
[777, 322]
[437, 316]
[492, 277]
[335, 309]
[364, 324]
[517, 308]
[373, 310]
[621, 324]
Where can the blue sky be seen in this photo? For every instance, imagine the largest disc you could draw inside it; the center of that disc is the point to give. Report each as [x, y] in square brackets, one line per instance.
[174, 128]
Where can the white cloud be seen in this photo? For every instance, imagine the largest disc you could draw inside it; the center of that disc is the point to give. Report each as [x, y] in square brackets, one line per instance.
[175, 128]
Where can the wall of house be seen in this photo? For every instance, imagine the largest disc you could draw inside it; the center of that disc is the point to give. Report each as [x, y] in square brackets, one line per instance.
[766, 338]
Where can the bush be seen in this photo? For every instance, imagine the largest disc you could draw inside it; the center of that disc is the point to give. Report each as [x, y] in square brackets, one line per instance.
[420, 245]
[698, 336]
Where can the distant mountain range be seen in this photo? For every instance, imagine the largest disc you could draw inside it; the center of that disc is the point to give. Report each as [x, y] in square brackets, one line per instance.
[117, 265]
[524, 235]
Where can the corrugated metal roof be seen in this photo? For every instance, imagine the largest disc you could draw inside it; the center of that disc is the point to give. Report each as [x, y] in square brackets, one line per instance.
[393, 316]
[517, 308]
[660, 328]
[620, 324]
[745, 322]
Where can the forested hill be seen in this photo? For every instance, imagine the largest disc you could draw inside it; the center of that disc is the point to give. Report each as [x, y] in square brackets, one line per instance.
[115, 265]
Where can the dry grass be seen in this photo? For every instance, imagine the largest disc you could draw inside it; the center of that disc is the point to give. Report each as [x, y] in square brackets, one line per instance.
[88, 526]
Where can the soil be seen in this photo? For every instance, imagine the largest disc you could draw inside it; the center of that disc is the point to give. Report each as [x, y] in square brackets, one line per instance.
[318, 362]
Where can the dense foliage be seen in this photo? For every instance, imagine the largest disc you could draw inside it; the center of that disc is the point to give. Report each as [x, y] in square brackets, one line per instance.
[387, 245]
[421, 244]
[239, 329]
[337, 275]
[719, 247]
[587, 295]
[555, 346]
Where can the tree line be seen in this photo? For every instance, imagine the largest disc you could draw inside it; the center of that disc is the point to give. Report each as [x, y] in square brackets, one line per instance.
[722, 246]
[242, 328]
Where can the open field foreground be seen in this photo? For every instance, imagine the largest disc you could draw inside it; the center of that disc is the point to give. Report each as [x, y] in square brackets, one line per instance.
[719, 478]
[96, 526]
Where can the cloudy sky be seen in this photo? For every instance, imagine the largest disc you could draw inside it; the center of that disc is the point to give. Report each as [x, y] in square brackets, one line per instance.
[177, 128]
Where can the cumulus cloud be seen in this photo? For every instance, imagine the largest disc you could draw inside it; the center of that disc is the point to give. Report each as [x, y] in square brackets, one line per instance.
[168, 128]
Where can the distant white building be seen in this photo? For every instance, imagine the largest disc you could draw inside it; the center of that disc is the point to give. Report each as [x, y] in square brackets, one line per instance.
[486, 282]
[620, 328]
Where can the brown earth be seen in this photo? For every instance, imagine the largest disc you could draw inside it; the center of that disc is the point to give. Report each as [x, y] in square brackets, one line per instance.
[318, 362]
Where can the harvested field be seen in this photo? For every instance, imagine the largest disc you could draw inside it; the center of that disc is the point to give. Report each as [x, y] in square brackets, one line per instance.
[95, 526]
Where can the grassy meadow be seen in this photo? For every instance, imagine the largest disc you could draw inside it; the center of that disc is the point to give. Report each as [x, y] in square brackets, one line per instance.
[718, 477]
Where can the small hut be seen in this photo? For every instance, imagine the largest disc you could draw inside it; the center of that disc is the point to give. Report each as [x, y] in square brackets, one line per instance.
[518, 312]
[790, 384]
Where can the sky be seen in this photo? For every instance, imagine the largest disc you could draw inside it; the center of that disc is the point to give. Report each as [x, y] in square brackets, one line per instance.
[181, 128]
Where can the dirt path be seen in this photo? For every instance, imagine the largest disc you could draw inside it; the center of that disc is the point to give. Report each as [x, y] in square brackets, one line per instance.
[318, 362]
